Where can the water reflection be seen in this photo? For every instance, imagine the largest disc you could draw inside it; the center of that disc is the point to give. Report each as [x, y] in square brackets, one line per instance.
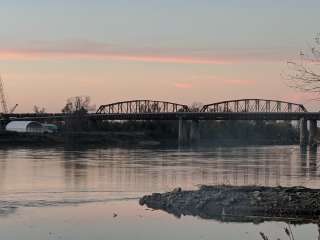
[3, 167]
[97, 174]
[313, 162]
[75, 168]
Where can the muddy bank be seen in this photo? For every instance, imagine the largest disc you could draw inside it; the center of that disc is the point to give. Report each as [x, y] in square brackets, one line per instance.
[233, 203]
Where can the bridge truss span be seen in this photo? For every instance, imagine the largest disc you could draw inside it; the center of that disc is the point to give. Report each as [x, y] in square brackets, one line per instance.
[142, 106]
[254, 106]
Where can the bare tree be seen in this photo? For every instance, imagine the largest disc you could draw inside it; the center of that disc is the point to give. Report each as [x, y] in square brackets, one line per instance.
[196, 106]
[76, 109]
[38, 110]
[78, 104]
[304, 74]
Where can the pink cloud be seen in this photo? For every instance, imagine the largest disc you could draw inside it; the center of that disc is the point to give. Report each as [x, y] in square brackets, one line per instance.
[82, 49]
[134, 57]
[226, 80]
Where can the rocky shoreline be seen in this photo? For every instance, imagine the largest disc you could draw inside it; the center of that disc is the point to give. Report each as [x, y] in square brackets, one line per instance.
[240, 203]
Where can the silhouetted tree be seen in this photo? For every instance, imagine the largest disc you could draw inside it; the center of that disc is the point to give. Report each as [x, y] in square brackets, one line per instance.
[76, 109]
[38, 110]
[304, 74]
[196, 107]
[78, 104]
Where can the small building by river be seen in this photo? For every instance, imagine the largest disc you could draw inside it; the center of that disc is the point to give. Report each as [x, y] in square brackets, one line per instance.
[25, 127]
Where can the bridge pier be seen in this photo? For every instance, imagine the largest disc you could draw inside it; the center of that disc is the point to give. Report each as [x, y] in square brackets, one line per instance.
[313, 132]
[303, 132]
[195, 131]
[183, 132]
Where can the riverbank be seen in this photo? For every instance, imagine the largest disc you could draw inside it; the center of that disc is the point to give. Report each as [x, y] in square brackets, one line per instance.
[119, 138]
[76, 138]
[231, 203]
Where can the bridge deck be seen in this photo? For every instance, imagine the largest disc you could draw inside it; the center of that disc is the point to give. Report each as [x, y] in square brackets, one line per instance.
[175, 116]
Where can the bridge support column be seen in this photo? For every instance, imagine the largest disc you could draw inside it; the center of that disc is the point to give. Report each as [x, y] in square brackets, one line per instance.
[313, 132]
[183, 132]
[195, 131]
[303, 132]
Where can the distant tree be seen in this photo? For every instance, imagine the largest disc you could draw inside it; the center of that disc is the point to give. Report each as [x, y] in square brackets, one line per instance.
[76, 109]
[196, 107]
[304, 74]
[78, 104]
[38, 110]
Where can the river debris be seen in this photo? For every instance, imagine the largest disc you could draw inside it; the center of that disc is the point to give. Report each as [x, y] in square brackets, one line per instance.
[240, 203]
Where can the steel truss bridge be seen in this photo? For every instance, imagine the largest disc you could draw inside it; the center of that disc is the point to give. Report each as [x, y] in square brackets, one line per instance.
[254, 106]
[242, 109]
[142, 106]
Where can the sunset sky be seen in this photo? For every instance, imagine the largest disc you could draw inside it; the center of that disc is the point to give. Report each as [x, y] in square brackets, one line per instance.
[177, 50]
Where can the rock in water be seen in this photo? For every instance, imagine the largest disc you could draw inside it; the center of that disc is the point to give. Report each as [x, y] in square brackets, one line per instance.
[226, 202]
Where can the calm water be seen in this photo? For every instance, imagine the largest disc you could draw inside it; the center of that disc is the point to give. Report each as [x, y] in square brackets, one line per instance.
[61, 193]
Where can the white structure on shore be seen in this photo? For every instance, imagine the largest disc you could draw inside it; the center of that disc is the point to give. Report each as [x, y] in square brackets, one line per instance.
[25, 127]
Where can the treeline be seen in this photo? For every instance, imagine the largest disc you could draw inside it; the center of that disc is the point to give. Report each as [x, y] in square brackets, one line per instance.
[156, 129]
[248, 131]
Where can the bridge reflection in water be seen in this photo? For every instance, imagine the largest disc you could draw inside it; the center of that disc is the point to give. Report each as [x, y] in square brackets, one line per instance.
[132, 171]
[41, 177]
[242, 109]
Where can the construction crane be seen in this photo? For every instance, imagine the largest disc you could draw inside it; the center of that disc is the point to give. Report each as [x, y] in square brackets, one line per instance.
[3, 100]
[13, 108]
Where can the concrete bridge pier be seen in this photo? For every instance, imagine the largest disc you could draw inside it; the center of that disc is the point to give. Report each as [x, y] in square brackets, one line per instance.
[313, 133]
[303, 132]
[195, 131]
[183, 132]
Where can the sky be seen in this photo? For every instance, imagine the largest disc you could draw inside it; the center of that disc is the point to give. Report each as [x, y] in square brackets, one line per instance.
[182, 51]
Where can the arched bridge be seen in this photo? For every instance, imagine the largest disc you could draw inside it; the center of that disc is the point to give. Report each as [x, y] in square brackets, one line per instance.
[230, 106]
[142, 106]
[242, 109]
[253, 106]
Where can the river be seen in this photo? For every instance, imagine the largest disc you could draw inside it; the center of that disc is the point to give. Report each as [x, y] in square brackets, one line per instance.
[92, 193]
